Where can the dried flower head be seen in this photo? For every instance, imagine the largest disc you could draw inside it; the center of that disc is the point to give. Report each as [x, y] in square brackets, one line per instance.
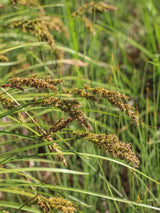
[61, 124]
[115, 98]
[83, 9]
[93, 7]
[70, 107]
[102, 7]
[54, 203]
[111, 144]
[31, 3]
[3, 58]
[36, 27]
[81, 93]
[6, 102]
[33, 81]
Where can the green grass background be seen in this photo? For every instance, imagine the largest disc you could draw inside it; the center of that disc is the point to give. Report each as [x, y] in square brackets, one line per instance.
[123, 55]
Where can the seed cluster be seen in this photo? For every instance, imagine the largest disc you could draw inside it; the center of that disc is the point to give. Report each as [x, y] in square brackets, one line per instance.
[115, 98]
[36, 27]
[81, 93]
[70, 107]
[55, 203]
[7, 102]
[61, 124]
[93, 7]
[90, 8]
[35, 82]
[3, 58]
[112, 145]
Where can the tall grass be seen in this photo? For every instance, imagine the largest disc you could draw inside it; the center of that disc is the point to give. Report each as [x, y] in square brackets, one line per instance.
[116, 49]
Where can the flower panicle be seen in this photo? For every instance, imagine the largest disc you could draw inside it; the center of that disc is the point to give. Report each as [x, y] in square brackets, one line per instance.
[111, 144]
[103, 7]
[34, 82]
[3, 58]
[70, 107]
[55, 203]
[83, 9]
[115, 98]
[81, 93]
[61, 124]
[6, 102]
[37, 27]
[92, 7]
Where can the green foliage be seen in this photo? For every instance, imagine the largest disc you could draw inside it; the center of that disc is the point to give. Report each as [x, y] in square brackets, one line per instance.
[70, 75]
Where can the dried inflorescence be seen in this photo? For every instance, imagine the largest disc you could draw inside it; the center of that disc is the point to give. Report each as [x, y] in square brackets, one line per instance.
[111, 144]
[90, 8]
[102, 7]
[36, 27]
[55, 203]
[34, 82]
[84, 8]
[6, 102]
[115, 98]
[81, 93]
[31, 3]
[61, 124]
[3, 58]
[93, 7]
[70, 107]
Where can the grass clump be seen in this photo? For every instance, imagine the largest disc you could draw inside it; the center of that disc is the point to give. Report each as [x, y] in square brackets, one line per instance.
[71, 106]
[79, 106]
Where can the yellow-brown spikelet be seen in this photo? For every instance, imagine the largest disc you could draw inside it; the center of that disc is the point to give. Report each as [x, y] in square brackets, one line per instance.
[81, 93]
[115, 98]
[61, 124]
[31, 3]
[55, 82]
[55, 203]
[70, 107]
[3, 58]
[93, 7]
[83, 9]
[36, 27]
[6, 102]
[102, 7]
[33, 81]
[111, 144]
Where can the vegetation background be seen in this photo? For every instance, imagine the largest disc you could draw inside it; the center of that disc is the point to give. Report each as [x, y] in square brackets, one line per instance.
[119, 50]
